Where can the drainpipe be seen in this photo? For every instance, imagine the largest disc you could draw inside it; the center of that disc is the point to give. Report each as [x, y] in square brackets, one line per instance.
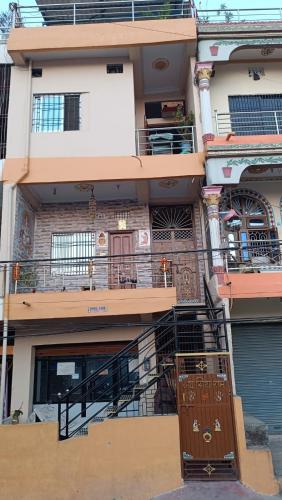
[11, 215]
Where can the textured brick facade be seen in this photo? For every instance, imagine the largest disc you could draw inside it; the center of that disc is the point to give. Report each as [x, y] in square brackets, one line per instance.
[34, 231]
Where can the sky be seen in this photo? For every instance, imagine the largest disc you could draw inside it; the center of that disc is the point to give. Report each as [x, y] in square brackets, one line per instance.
[201, 4]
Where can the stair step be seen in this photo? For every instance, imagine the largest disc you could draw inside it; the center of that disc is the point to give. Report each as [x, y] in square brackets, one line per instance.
[111, 410]
[125, 397]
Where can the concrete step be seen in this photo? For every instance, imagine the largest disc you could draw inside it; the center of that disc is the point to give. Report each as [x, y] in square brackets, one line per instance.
[217, 490]
[275, 445]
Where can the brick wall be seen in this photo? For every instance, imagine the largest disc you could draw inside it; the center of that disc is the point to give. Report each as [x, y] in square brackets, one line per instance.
[75, 217]
[33, 231]
[24, 228]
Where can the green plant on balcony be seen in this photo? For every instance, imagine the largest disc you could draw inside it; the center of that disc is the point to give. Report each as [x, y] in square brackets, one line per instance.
[185, 123]
[228, 15]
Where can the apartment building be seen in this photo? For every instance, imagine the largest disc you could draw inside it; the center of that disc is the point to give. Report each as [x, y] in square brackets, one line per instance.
[112, 305]
[241, 68]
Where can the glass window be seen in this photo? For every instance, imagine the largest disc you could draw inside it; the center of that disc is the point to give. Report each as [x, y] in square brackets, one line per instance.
[55, 112]
[78, 248]
[56, 374]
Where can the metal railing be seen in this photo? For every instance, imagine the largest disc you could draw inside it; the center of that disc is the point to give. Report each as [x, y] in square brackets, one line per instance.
[119, 272]
[253, 255]
[165, 140]
[148, 386]
[239, 15]
[249, 123]
[103, 11]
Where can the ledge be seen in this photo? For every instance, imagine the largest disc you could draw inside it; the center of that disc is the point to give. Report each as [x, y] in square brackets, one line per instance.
[251, 285]
[24, 43]
[46, 305]
[44, 170]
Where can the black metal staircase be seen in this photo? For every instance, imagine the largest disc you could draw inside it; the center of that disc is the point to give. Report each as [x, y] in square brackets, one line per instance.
[140, 379]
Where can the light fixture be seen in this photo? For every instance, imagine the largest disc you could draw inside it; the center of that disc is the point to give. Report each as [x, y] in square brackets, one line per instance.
[160, 64]
[256, 73]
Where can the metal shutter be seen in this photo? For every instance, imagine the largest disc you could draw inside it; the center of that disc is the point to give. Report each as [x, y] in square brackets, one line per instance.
[258, 371]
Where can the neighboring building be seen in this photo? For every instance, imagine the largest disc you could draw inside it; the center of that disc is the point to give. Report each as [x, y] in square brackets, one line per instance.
[240, 71]
[106, 296]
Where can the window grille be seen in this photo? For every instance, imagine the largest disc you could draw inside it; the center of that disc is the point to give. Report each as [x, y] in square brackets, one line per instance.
[78, 248]
[55, 112]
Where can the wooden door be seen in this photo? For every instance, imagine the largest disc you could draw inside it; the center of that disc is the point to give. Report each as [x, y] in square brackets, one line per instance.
[122, 269]
[205, 408]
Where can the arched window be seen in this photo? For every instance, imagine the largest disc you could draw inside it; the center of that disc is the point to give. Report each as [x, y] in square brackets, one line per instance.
[247, 229]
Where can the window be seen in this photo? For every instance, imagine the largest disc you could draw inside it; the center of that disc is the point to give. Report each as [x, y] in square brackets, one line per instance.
[55, 112]
[51, 380]
[114, 68]
[72, 252]
[36, 72]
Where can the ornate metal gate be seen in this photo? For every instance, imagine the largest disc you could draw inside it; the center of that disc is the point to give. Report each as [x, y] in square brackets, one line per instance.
[205, 407]
[173, 231]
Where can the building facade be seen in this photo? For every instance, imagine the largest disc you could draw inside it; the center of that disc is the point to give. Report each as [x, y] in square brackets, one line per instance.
[127, 233]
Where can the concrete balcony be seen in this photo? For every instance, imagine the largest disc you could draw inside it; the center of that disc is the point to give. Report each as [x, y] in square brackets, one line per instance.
[102, 286]
[253, 270]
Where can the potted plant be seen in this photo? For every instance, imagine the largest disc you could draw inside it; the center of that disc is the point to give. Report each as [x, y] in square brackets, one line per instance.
[185, 130]
[28, 278]
[16, 415]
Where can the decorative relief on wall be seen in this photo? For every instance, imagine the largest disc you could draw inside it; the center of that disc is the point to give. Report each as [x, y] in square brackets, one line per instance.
[144, 240]
[26, 232]
[102, 239]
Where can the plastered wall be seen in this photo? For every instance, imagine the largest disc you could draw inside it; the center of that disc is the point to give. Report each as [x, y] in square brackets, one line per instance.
[107, 110]
[122, 459]
[233, 79]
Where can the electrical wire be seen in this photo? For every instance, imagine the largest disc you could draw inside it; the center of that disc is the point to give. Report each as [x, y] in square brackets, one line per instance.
[102, 326]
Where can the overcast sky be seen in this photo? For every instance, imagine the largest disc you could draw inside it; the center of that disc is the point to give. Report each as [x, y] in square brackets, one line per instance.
[201, 4]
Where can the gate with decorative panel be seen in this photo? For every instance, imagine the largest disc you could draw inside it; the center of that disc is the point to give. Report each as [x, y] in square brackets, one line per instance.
[173, 231]
[206, 419]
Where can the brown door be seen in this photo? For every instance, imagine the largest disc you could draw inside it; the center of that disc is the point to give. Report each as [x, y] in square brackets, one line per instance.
[205, 407]
[122, 269]
[173, 231]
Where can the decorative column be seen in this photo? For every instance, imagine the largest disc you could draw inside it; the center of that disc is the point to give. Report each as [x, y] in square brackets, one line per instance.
[203, 73]
[211, 196]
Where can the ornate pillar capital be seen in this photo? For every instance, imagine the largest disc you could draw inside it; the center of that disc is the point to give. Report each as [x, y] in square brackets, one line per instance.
[211, 195]
[203, 72]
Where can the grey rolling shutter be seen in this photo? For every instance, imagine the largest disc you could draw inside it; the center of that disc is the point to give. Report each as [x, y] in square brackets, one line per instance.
[258, 371]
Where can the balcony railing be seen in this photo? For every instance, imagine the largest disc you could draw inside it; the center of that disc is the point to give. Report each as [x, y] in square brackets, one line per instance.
[103, 11]
[165, 140]
[249, 123]
[253, 255]
[239, 15]
[178, 269]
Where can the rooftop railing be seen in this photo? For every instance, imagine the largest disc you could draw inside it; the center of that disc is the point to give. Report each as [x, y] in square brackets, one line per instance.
[102, 11]
[253, 255]
[165, 140]
[239, 15]
[249, 123]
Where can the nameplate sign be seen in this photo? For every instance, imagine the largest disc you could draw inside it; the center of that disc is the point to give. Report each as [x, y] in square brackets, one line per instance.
[97, 309]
